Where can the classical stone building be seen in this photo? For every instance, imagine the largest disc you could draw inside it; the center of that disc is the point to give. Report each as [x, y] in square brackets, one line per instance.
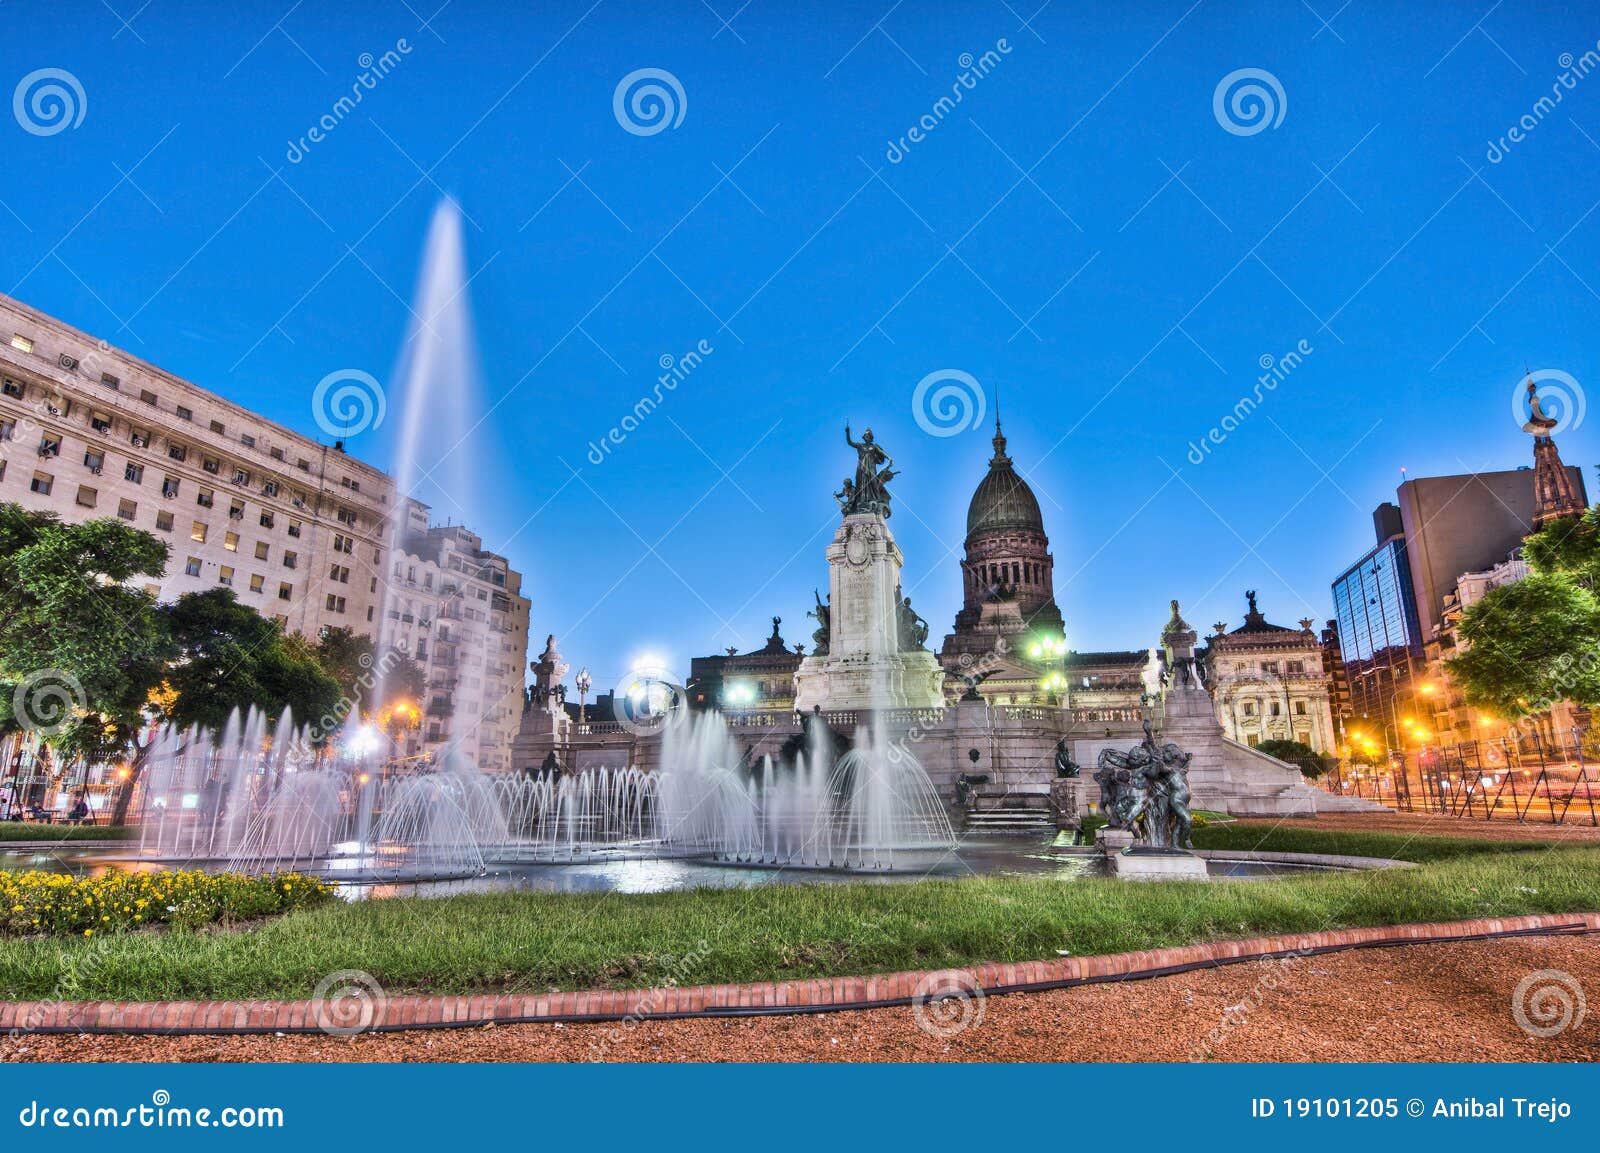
[458, 610]
[1269, 683]
[1018, 707]
[300, 531]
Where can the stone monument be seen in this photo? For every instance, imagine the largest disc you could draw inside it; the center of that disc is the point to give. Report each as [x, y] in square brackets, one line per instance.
[1144, 794]
[873, 655]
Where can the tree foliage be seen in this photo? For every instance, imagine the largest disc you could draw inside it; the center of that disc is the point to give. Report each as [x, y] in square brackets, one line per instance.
[230, 657]
[75, 636]
[1297, 753]
[369, 680]
[1531, 645]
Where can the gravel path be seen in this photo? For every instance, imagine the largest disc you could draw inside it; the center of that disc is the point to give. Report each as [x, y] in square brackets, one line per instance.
[1419, 1003]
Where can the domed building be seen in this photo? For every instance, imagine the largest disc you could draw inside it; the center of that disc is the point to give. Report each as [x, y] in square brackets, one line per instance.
[1008, 583]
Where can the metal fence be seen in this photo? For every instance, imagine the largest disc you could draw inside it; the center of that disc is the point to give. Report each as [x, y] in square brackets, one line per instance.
[1530, 781]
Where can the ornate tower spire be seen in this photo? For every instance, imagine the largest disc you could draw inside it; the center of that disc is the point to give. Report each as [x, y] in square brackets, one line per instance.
[1554, 497]
[1000, 456]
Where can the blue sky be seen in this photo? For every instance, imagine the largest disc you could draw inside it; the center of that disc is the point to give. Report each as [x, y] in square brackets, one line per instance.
[1081, 233]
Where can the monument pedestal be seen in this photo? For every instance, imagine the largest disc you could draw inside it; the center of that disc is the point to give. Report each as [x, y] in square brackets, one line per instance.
[865, 666]
[1066, 795]
[1157, 865]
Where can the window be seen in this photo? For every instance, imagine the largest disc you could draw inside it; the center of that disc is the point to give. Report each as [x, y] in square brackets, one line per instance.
[270, 488]
[206, 498]
[191, 567]
[339, 573]
[241, 476]
[42, 483]
[262, 549]
[94, 461]
[139, 438]
[169, 487]
[1269, 666]
[335, 604]
[14, 389]
[347, 515]
[1299, 708]
[133, 472]
[110, 381]
[1277, 708]
[21, 343]
[164, 521]
[343, 544]
[2, 468]
[1249, 708]
[256, 582]
[1297, 668]
[57, 405]
[68, 362]
[236, 510]
[177, 451]
[147, 396]
[127, 509]
[294, 528]
[285, 591]
[87, 496]
[216, 426]
[277, 454]
[230, 541]
[100, 421]
[266, 518]
[290, 559]
[225, 575]
[303, 465]
[184, 414]
[8, 429]
[248, 441]
[198, 532]
[49, 446]
[211, 464]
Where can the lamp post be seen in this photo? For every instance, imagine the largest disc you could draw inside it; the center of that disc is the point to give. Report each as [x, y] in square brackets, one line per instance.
[584, 682]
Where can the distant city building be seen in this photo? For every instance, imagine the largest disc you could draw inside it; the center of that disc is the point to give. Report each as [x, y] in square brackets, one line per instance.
[761, 680]
[458, 610]
[1269, 683]
[1440, 548]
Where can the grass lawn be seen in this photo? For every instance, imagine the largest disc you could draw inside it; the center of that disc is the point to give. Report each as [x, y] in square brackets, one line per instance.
[21, 831]
[514, 942]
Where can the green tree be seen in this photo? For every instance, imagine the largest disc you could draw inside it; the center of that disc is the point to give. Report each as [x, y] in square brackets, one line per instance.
[1297, 753]
[367, 679]
[231, 657]
[80, 649]
[1531, 645]
[1568, 546]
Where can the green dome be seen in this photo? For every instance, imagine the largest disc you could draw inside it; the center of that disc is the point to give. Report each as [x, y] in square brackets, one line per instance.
[1003, 500]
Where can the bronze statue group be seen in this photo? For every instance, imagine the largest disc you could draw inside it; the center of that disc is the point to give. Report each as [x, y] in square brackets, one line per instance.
[1145, 791]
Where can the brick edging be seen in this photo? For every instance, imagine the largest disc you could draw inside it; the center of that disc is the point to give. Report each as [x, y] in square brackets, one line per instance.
[381, 1013]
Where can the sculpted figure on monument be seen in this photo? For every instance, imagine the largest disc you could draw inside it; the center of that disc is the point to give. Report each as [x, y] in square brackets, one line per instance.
[819, 637]
[868, 492]
[1146, 791]
[913, 629]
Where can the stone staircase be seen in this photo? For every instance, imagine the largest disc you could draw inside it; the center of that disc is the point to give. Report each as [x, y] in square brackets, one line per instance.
[1020, 816]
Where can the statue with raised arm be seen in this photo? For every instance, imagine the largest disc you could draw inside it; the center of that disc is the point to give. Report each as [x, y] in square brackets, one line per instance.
[819, 638]
[869, 493]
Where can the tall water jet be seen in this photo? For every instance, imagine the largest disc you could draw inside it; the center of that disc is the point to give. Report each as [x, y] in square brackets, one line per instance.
[438, 385]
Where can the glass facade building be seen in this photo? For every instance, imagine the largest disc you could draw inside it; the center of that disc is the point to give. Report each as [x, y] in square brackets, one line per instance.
[1379, 635]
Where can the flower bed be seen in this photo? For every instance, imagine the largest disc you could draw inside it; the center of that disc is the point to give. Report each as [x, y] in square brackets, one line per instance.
[54, 904]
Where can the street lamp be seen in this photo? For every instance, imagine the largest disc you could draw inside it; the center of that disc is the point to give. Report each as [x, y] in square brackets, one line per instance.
[584, 682]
